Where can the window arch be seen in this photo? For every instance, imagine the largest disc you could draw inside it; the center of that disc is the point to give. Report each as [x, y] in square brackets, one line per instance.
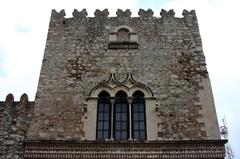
[138, 116]
[103, 116]
[121, 117]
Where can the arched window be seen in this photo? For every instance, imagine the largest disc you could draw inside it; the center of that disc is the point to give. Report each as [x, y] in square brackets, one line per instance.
[120, 111]
[123, 35]
[125, 122]
[138, 116]
[103, 116]
[121, 117]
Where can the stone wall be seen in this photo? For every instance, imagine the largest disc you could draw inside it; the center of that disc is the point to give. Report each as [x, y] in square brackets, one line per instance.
[169, 60]
[15, 118]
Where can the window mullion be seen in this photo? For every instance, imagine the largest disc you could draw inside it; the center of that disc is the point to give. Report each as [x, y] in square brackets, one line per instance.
[112, 116]
[130, 117]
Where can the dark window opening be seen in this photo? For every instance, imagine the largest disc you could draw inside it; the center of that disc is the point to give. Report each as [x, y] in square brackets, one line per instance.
[117, 125]
[121, 117]
[123, 35]
[103, 116]
[138, 116]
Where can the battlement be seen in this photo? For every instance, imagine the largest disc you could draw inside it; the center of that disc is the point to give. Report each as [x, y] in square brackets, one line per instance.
[167, 18]
[15, 117]
[17, 107]
[123, 14]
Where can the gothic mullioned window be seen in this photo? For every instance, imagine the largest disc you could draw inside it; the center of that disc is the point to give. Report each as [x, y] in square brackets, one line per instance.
[120, 111]
[124, 117]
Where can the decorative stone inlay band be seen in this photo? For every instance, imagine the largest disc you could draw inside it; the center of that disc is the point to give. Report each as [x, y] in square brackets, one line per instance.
[106, 150]
[123, 46]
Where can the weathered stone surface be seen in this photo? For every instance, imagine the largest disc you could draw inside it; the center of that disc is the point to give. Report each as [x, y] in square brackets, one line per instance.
[169, 59]
[15, 119]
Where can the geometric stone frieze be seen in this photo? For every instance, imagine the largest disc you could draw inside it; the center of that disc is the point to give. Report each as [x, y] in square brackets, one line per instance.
[122, 45]
[112, 149]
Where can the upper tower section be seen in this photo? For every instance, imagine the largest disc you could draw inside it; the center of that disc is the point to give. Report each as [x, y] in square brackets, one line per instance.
[162, 55]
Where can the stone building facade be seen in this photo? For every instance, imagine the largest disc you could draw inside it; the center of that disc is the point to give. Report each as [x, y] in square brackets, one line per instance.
[117, 87]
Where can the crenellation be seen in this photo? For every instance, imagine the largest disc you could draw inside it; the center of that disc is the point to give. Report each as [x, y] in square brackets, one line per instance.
[81, 14]
[9, 98]
[167, 14]
[57, 15]
[101, 14]
[24, 98]
[121, 13]
[189, 16]
[145, 14]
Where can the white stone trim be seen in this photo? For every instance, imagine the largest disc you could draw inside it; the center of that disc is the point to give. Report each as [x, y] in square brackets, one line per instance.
[123, 27]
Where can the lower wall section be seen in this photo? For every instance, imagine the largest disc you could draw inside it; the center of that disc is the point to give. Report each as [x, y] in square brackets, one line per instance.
[122, 150]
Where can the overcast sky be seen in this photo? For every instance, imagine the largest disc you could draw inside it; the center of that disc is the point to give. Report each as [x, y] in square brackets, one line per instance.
[23, 33]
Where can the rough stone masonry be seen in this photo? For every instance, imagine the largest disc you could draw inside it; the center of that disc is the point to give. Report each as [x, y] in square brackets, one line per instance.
[169, 60]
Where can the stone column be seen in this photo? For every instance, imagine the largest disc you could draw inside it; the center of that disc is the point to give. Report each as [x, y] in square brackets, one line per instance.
[112, 107]
[130, 117]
